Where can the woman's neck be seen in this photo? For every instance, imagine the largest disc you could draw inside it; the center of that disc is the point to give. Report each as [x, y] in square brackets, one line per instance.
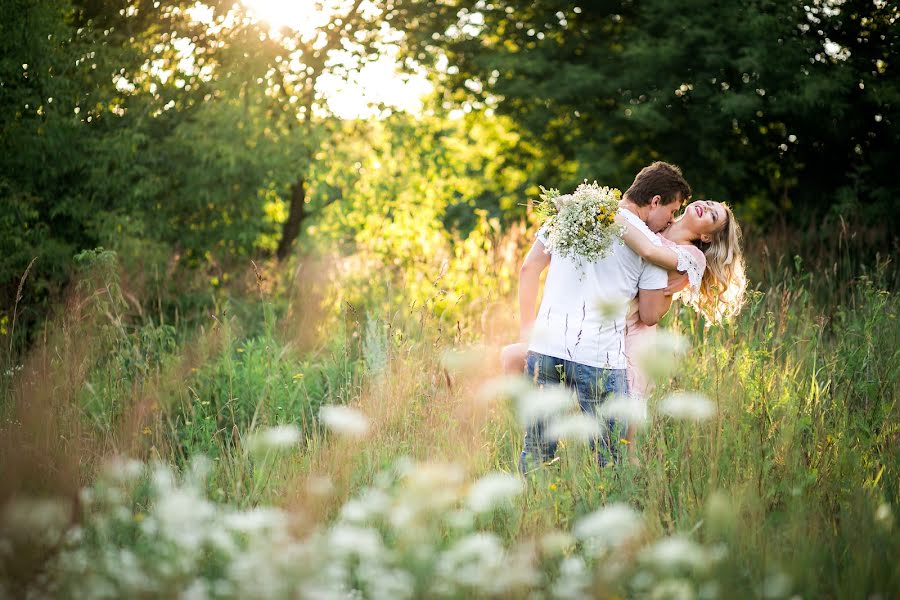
[679, 234]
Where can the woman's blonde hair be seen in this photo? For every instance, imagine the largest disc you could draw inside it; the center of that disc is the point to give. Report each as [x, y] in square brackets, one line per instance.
[722, 287]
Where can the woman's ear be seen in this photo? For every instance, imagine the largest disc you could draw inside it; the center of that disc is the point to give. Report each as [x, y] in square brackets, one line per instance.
[705, 238]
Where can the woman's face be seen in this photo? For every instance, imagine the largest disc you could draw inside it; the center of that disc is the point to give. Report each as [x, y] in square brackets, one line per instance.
[704, 219]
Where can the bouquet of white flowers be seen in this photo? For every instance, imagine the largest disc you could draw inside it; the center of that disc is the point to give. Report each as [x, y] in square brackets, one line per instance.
[581, 225]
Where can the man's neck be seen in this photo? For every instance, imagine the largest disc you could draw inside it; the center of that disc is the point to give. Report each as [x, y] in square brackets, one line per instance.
[643, 212]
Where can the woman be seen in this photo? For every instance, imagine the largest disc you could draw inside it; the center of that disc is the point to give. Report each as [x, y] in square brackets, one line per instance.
[702, 252]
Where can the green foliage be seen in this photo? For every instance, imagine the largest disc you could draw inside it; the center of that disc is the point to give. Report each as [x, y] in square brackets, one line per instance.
[780, 107]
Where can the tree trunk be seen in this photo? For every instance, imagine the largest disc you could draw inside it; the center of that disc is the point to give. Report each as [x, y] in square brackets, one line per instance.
[296, 216]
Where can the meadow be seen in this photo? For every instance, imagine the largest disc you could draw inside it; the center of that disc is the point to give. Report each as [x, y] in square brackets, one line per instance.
[336, 426]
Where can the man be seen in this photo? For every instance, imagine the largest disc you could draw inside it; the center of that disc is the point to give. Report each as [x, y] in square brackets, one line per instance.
[573, 339]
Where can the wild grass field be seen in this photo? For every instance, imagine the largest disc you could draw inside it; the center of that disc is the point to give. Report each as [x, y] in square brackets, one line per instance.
[337, 427]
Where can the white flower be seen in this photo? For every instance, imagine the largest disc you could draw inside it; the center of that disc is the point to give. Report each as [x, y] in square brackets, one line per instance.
[255, 520]
[184, 517]
[462, 360]
[673, 589]
[574, 579]
[542, 403]
[344, 420]
[776, 585]
[40, 520]
[384, 582]
[493, 490]
[123, 470]
[608, 527]
[575, 427]
[582, 227]
[674, 553]
[556, 542]
[628, 408]
[541, 333]
[884, 516]
[506, 386]
[371, 504]
[659, 355]
[273, 439]
[687, 405]
[473, 562]
[612, 307]
[350, 540]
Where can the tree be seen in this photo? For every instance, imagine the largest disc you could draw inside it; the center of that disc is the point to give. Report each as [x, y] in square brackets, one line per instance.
[777, 105]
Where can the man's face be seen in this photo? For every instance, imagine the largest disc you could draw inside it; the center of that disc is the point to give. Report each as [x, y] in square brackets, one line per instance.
[661, 215]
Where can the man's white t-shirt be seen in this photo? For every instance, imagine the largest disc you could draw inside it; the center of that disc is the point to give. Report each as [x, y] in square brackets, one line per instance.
[583, 310]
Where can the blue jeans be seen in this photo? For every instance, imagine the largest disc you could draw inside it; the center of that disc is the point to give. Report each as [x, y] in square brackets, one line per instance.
[593, 385]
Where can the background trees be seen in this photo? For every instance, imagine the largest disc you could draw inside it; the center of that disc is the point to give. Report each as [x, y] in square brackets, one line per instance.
[776, 106]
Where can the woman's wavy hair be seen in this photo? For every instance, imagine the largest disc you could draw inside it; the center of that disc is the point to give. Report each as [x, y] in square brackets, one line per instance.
[722, 288]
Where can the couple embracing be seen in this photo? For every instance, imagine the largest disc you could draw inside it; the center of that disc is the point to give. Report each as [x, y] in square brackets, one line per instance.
[585, 336]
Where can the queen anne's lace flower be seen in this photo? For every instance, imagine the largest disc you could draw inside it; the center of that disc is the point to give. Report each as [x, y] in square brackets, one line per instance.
[581, 225]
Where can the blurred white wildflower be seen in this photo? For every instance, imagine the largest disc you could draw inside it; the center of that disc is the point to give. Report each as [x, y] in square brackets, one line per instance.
[673, 589]
[463, 360]
[506, 386]
[659, 355]
[273, 439]
[351, 540]
[122, 470]
[255, 520]
[473, 563]
[556, 542]
[344, 420]
[687, 405]
[578, 427]
[632, 410]
[574, 579]
[518, 572]
[544, 402]
[197, 590]
[381, 581]
[612, 307]
[884, 516]
[39, 520]
[368, 506]
[675, 553]
[776, 585]
[184, 516]
[608, 527]
[427, 488]
[493, 490]
[462, 519]
[541, 333]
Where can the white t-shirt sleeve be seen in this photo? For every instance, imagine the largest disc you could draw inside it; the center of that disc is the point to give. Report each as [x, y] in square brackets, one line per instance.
[653, 277]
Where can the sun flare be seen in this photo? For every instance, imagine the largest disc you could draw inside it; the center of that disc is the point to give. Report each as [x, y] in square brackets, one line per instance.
[368, 86]
[304, 16]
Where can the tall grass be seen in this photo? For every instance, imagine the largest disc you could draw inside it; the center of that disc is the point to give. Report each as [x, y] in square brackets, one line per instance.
[794, 481]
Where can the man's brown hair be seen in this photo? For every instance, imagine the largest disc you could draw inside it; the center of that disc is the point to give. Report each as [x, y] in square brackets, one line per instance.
[661, 179]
